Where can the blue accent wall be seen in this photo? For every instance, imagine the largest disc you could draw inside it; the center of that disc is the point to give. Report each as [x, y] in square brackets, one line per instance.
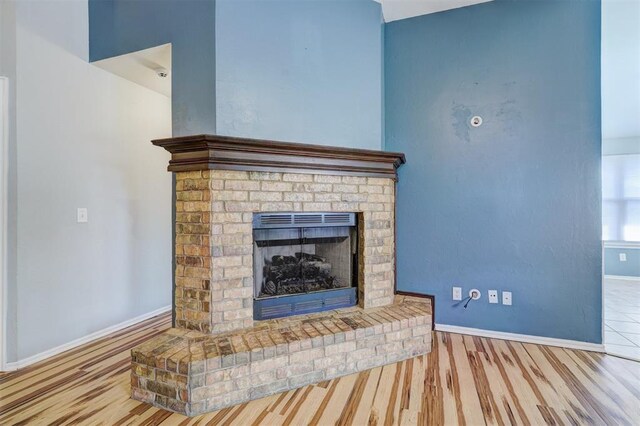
[301, 71]
[511, 205]
[117, 27]
[613, 265]
[514, 204]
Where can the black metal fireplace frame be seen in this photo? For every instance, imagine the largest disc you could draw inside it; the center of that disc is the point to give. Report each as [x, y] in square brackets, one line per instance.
[297, 304]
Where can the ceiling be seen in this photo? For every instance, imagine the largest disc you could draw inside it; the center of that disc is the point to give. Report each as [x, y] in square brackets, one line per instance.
[140, 67]
[394, 10]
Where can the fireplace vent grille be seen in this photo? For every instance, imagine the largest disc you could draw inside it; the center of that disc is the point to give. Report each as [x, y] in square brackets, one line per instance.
[276, 311]
[337, 218]
[308, 305]
[287, 220]
[307, 219]
[277, 307]
[267, 220]
[338, 301]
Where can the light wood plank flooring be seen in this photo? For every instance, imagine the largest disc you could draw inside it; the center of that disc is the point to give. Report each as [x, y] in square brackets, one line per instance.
[465, 380]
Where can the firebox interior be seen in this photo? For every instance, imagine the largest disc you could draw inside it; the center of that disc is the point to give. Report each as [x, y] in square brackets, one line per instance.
[304, 262]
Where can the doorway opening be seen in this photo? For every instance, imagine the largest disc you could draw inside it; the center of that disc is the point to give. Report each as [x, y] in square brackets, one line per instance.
[4, 147]
[621, 177]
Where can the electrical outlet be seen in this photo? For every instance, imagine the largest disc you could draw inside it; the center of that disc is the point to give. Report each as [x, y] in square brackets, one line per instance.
[457, 293]
[493, 296]
[475, 294]
[83, 215]
[623, 257]
[506, 298]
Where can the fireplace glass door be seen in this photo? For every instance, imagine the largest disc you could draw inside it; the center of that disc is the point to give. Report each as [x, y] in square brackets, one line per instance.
[308, 264]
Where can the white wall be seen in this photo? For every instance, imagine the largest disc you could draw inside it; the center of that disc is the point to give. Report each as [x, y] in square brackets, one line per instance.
[84, 141]
[8, 69]
[621, 146]
[620, 74]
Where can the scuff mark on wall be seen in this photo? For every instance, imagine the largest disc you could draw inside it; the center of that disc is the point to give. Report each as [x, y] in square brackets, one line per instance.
[461, 115]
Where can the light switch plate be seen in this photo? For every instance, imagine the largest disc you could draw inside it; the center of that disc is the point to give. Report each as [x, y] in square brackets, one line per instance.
[83, 215]
[506, 298]
[457, 293]
[623, 257]
[493, 296]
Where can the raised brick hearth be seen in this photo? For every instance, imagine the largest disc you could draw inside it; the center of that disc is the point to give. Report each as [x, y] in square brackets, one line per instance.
[217, 355]
[192, 372]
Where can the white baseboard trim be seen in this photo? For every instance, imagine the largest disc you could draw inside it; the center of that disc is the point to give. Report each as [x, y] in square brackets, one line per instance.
[622, 245]
[622, 277]
[13, 366]
[525, 338]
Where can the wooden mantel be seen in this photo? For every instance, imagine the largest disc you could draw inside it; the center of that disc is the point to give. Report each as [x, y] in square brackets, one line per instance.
[207, 152]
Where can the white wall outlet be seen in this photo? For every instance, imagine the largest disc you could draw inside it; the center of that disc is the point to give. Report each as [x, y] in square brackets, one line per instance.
[83, 215]
[493, 296]
[623, 257]
[475, 294]
[506, 298]
[457, 293]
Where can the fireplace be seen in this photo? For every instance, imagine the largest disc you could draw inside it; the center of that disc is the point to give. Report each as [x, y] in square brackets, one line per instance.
[277, 231]
[304, 262]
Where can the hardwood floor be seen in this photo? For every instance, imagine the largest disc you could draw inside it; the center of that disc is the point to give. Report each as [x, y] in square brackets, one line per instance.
[465, 380]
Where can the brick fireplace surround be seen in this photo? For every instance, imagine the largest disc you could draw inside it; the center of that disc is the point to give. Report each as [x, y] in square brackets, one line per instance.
[217, 355]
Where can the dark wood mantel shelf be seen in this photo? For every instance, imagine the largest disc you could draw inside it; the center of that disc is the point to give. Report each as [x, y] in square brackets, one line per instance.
[205, 152]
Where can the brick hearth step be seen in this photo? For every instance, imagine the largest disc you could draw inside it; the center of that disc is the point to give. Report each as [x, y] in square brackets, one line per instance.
[191, 372]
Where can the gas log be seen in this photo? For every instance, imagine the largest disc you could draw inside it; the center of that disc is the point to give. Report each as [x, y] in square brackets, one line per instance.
[301, 273]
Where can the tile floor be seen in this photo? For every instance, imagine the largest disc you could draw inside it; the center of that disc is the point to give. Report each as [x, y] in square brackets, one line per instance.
[622, 317]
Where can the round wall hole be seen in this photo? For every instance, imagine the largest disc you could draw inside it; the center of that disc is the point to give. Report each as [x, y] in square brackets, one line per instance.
[476, 121]
[475, 294]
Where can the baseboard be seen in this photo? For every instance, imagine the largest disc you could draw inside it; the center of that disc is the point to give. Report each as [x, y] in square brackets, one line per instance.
[525, 338]
[622, 277]
[623, 356]
[632, 245]
[13, 366]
